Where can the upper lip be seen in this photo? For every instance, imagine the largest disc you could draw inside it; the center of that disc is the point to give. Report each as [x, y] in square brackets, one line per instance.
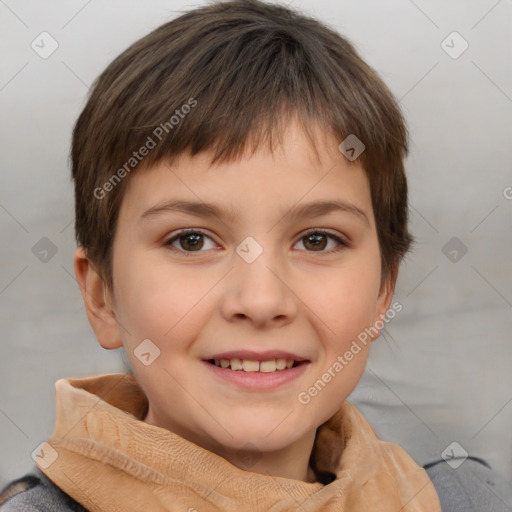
[251, 355]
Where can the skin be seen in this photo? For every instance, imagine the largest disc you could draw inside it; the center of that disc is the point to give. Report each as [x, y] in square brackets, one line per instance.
[298, 297]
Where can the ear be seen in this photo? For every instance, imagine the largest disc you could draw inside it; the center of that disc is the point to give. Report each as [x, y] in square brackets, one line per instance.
[387, 289]
[98, 304]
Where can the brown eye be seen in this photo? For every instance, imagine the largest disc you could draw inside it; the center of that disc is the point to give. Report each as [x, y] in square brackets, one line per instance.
[315, 241]
[191, 242]
[187, 242]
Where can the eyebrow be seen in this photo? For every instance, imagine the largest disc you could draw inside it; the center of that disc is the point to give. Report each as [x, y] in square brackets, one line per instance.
[298, 211]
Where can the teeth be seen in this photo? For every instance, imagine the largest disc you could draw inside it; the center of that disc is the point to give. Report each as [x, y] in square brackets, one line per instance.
[281, 364]
[236, 364]
[268, 366]
[249, 365]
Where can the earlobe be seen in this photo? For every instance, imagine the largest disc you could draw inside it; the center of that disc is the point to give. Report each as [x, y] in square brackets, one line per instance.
[100, 312]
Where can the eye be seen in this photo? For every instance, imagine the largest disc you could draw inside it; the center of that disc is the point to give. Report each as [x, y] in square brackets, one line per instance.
[316, 240]
[189, 240]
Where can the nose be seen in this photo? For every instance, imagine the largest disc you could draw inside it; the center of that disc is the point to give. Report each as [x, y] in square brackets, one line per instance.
[259, 293]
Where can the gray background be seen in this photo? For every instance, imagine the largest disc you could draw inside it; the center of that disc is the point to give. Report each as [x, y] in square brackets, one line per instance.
[444, 375]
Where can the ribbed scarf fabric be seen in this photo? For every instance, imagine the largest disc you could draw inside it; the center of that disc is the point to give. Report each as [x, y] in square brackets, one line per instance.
[103, 455]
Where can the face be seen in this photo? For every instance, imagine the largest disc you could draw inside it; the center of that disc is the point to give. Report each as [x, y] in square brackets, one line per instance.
[260, 279]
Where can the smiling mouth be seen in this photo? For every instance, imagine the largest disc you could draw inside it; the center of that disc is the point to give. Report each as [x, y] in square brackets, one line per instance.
[248, 365]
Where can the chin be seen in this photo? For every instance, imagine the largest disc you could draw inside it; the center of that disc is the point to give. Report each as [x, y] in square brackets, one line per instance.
[261, 436]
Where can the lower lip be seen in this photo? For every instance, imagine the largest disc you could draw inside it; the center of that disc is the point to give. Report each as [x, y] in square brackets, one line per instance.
[258, 380]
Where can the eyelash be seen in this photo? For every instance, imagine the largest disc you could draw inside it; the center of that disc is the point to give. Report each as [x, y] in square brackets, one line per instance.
[343, 243]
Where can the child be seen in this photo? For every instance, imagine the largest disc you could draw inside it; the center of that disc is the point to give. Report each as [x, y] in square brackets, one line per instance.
[241, 214]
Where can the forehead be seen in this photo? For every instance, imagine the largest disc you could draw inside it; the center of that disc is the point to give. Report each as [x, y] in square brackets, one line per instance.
[297, 171]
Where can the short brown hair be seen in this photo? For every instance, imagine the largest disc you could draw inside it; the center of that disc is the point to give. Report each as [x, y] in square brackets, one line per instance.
[246, 67]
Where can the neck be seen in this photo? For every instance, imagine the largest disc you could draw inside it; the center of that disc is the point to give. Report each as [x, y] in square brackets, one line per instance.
[290, 462]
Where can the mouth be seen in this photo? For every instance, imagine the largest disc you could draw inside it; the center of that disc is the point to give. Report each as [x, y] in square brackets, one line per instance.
[254, 371]
[269, 361]
[252, 365]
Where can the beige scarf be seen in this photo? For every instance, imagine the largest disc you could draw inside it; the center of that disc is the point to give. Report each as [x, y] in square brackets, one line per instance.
[103, 455]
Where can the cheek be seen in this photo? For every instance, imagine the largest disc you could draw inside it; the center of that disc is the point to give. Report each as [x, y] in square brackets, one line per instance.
[155, 300]
[141, 297]
[347, 302]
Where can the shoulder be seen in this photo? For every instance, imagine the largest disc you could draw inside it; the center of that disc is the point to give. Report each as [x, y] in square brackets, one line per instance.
[34, 492]
[471, 486]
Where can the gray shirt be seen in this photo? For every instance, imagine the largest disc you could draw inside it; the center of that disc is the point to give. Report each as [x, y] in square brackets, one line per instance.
[472, 487]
